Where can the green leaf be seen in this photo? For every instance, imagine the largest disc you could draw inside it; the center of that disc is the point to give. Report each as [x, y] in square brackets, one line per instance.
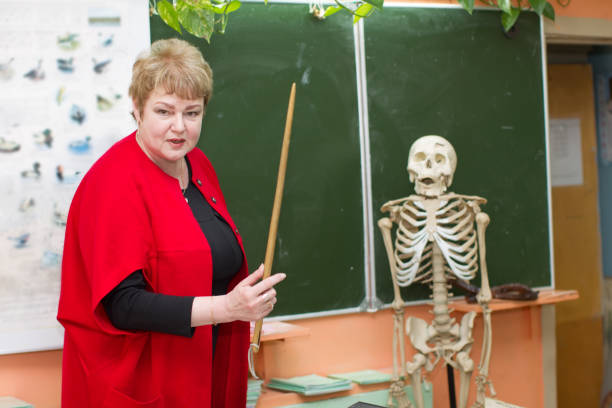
[538, 5]
[468, 5]
[219, 8]
[233, 6]
[168, 14]
[508, 19]
[331, 10]
[376, 3]
[549, 11]
[505, 6]
[362, 11]
[226, 7]
[198, 21]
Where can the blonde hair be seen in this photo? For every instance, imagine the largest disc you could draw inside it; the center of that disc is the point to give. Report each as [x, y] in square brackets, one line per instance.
[174, 65]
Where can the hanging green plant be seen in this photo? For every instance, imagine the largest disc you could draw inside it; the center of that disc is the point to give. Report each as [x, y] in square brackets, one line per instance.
[359, 9]
[202, 18]
[511, 13]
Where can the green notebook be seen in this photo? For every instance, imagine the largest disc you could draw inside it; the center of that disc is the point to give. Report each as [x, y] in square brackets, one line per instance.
[253, 392]
[310, 384]
[364, 377]
[379, 397]
[12, 402]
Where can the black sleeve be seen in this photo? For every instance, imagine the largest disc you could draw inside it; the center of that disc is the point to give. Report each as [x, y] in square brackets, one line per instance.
[130, 306]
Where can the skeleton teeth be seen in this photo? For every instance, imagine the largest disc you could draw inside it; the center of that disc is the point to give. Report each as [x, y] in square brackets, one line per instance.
[427, 181]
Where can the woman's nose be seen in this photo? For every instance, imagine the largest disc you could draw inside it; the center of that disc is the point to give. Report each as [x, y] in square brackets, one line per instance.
[178, 123]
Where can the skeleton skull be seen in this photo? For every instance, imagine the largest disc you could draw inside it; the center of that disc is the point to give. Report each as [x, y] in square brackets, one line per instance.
[431, 164]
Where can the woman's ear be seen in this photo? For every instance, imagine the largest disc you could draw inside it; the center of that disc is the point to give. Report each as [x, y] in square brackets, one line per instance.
[136, 111]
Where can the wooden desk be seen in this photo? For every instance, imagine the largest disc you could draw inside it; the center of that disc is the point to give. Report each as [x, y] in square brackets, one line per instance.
[360, 341]
[545, 297]
[279, 331]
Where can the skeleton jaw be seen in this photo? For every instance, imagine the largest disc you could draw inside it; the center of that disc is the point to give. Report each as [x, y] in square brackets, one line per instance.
[429, 187]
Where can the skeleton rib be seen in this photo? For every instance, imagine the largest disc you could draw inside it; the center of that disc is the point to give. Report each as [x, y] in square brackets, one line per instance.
[452, 217]
[446, 206]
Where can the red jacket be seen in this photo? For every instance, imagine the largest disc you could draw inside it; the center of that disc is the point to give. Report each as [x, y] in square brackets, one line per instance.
[126, 215]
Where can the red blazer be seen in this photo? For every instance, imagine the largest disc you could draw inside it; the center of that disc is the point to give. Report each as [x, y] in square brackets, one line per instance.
[126, 215]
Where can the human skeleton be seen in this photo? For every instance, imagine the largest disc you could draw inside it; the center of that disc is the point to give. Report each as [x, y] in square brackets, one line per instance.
[435, 239]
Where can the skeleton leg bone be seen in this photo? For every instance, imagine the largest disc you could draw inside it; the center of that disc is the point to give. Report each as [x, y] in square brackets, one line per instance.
[414, 369]
[466, 367]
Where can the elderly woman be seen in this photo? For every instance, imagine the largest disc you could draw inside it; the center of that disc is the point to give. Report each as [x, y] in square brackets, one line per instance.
[156, 295]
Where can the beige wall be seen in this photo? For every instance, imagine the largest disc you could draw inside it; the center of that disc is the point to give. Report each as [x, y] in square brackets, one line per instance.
[32, 377]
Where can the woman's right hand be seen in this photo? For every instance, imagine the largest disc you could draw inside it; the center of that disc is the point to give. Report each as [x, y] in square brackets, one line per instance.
[253, 299]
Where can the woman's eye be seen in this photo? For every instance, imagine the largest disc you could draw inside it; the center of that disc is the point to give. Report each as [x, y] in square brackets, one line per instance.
[193, 114]
[162, 111]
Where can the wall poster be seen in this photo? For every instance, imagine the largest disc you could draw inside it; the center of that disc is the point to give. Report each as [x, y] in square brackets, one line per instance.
[65, 68]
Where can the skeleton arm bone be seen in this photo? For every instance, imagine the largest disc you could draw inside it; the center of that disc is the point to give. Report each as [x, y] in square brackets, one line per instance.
[482, 220]
[385, 226]
[484, 297]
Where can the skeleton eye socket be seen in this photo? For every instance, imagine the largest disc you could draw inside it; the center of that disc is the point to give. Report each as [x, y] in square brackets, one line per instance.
[420, 156]
[440, 159]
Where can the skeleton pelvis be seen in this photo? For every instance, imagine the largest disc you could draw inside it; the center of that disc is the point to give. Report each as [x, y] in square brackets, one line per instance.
[426, 339]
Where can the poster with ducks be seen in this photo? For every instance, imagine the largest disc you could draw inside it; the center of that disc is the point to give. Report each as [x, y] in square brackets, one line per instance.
[65, 68]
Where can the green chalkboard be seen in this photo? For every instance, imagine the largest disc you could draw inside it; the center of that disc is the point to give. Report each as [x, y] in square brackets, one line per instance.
[428, 71]
[320, 237]
[444, 72]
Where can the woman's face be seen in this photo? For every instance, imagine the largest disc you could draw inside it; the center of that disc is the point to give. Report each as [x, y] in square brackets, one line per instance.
[169, 126]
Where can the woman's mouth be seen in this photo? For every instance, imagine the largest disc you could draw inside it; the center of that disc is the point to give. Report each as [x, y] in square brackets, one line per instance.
[177, 141]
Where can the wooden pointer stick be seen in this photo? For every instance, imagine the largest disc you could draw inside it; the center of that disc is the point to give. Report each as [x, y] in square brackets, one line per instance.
[278, 198]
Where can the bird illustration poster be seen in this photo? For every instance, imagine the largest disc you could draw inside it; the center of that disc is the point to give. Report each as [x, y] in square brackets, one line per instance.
[65, 68]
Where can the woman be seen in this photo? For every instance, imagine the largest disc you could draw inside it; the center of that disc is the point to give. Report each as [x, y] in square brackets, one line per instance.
[156, 295]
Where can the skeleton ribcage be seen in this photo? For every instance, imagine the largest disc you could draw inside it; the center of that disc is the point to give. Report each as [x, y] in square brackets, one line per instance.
[453, 231]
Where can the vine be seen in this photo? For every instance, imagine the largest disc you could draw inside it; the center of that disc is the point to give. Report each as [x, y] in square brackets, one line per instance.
[511, 13]
[202, 18]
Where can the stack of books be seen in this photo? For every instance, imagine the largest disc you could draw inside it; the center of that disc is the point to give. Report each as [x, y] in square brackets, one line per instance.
[364, 377]
[310, 384]
[253, 391]
[12, 402]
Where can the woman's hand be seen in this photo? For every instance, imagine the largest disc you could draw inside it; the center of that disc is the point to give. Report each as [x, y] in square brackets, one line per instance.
[250, 300]
[253, 299]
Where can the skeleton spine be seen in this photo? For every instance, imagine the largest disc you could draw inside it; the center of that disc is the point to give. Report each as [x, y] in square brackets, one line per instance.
[442, 321]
